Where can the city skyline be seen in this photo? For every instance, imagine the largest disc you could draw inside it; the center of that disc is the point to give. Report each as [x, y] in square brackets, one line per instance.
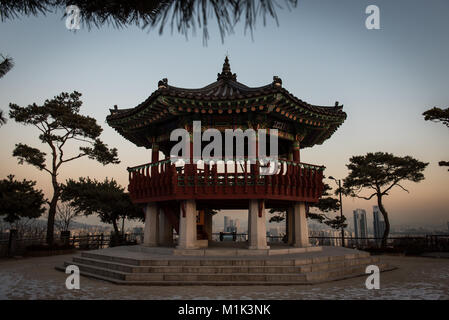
[382, 82]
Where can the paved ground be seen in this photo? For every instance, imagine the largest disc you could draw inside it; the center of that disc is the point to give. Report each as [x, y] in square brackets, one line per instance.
[415, 278]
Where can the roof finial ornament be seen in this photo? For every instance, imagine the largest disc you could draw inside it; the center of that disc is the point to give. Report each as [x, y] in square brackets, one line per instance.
[226, 73]
[226, 65]
[277, 82]
[162, 84]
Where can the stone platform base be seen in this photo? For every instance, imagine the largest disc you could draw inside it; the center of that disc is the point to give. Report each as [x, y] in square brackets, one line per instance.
[138, 265]
[224, 251]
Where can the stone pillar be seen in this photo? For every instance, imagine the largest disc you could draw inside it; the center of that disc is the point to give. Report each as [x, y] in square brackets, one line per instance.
[150, 235]
[289, 226]
[187, 225]
[257, 228]
[165, 230]
[301, 229]
[208, 224]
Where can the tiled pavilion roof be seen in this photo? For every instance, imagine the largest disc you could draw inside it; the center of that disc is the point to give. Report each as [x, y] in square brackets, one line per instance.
[226, 95]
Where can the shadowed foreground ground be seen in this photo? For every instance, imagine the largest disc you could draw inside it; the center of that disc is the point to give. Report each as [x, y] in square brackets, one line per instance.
[415, 278]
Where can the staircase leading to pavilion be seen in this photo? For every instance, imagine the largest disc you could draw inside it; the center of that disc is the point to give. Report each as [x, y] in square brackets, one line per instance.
[287, 270]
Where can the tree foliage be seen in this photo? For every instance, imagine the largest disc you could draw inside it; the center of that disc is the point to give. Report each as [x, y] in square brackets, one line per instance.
[26, 227]
[182, 15]
[58, 122]
[107, 199]
[6, 65]
[378, 173]
[2, 118]
[325, 205]
[438, 115]
[65, 214]
[19, 199]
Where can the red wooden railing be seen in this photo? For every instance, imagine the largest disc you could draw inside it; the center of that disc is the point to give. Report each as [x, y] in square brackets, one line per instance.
[163, 180]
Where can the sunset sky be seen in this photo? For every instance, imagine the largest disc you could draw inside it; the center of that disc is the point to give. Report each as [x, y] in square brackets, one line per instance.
[322, 52]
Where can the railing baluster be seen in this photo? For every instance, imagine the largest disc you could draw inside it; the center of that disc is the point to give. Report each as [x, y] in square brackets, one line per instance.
[215, 176]
[225, 188]
[245, 177]
[195, 179]
[235, 176]
[206, 178]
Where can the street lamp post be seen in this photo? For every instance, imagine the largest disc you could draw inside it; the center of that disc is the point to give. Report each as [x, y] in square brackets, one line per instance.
[341, 210]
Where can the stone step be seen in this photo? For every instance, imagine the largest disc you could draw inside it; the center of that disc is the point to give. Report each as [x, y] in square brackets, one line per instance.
[104, 257]
[223, 262]
[114, 274]
[185, 283]
[237, 281]
[314, 273]
[125, 266]
[223, 268]
[182, 277]
[341, 273]
[233, 252]
[110, 265]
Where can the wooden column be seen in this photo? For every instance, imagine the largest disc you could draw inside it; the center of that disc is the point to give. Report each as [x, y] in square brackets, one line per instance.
[295, 150]
[254, 163]
[154, 152]
[190, 168]
[154, 158]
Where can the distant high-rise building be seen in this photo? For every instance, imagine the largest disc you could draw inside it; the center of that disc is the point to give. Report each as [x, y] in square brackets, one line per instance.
[360, 226]
[226, 224]
[378, 223]
[237, 225]
[230, 225]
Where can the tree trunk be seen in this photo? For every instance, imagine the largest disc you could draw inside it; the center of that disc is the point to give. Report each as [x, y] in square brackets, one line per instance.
[114, 224]
[387, 222]
[51, 219]
[52, 211]
[115, 238]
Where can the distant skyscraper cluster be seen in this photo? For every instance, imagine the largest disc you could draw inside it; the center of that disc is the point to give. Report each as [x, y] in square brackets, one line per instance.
[360, 225]
[329, 237]
[378, 223]
[231, 225]
[275, 234]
